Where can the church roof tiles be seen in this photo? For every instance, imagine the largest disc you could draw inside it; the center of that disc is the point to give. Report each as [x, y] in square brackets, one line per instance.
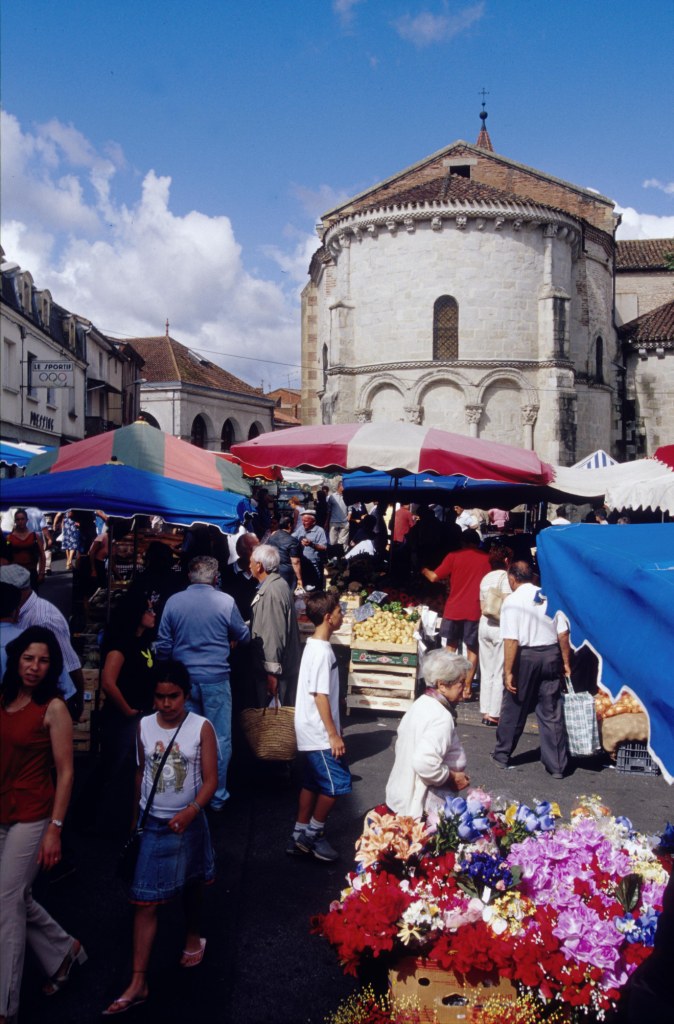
[168, 360]
[643, 253]
[656, 325]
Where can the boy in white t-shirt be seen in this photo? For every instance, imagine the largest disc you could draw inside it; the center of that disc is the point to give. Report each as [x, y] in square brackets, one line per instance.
[326, 775]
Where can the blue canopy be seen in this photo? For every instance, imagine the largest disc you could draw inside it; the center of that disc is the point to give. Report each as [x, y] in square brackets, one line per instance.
[123, 491]
[15, 455]
[616, 585]
[426, 487]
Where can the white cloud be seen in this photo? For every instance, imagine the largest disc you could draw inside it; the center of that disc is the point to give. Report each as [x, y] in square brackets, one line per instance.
[319, 200]
[129, 267]
[643, 225]
[666, 187]
[344, 10]
[424, 29]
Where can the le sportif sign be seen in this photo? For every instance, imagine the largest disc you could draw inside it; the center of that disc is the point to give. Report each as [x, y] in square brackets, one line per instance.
[56, 374]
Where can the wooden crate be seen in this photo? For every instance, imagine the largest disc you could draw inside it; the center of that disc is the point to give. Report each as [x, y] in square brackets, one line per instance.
[378, 702]
[452, 996]
[382, 676]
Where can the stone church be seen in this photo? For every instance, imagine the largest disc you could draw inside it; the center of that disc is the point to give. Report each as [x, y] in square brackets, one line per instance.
[473, 293]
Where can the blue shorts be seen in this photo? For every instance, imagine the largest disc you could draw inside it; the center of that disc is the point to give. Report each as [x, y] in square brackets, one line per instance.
[167, 861]
[325, 774]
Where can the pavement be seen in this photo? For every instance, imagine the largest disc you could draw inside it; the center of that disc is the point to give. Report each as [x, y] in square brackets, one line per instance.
[262, 964]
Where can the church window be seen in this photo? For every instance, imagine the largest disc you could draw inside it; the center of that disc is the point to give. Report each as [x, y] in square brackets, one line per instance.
[462, 170]
[325, 366]
[227, 436]
[599, 360]
[198, 434]
[446, 328]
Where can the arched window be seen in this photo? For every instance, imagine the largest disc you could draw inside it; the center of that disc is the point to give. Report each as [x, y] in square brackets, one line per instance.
[599, 360]
[227, 436]
[254, 431]
[198, 435]
[146, 417]
[325, 366]
[446, 328]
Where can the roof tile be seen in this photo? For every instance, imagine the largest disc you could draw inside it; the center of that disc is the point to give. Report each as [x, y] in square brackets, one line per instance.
[167, 360]
[657, 325]
[643, 253]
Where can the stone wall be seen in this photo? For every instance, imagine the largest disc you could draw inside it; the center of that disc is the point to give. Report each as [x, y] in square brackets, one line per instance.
[640, 292]
[650, 383]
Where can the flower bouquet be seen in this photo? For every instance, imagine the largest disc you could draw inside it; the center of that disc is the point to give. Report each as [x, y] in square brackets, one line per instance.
[564, 912]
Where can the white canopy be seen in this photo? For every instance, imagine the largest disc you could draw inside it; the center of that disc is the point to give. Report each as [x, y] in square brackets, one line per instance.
[644, 484]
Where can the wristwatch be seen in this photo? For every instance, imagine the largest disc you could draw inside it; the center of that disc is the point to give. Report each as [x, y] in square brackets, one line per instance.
[57, 822]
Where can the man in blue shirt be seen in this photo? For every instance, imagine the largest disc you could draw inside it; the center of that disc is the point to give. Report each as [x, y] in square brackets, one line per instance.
[313, 546]
[199, 627]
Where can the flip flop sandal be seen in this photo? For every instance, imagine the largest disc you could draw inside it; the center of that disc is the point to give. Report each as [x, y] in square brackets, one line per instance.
[124, 1006]
[193, 958]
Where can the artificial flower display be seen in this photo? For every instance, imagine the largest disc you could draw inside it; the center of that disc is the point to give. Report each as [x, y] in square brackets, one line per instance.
[566, 911]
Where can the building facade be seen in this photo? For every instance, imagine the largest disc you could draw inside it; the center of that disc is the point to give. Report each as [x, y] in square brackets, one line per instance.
[34, 328]
[192, 398]
[472, 293]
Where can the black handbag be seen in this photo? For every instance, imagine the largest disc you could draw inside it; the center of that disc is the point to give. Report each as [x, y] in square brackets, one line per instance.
[126, 864]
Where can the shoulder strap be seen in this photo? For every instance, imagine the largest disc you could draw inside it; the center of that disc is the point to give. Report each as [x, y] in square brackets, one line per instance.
[157, 776]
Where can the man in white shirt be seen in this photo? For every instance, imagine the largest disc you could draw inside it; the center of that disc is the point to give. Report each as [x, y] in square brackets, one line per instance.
[560, 517]
[536, 650]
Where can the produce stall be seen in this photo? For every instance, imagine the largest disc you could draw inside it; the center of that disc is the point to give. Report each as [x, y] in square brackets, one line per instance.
[384, 657]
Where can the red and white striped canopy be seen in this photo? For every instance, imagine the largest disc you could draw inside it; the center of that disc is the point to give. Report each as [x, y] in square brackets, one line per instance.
[394, 448]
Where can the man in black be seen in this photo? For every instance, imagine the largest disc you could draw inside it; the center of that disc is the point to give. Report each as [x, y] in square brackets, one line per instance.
[288, 548]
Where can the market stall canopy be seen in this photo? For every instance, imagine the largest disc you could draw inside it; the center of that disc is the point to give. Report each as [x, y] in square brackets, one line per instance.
[265, 472]
[443, 490]
[146, 448]
[598, 460]
[616, 585]
[124, 491]
[645, 483]
[394, 448]
[21, 453]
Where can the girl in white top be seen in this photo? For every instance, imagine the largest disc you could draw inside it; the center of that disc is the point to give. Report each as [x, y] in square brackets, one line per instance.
[175, 854]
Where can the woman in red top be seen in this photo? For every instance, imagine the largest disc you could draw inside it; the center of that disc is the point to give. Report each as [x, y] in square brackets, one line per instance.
[27, 548]
[36, 736]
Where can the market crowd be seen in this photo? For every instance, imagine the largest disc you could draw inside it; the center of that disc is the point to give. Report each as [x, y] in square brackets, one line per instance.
[198, 637]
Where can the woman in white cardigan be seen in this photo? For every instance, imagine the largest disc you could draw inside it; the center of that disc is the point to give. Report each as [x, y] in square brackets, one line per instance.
[429, 759]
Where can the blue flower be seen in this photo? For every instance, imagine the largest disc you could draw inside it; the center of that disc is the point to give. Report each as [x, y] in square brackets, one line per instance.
[543, 808]
[547, 823]
[626, 823]
[667, 839]
[480, 824]
[455, 805]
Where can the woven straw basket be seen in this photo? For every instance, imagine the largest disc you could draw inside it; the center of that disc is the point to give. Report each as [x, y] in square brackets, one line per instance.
[270, 732]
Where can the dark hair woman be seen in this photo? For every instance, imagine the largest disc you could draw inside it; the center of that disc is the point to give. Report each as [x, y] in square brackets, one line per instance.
[36, 737]
[127, 680]
[27, 548]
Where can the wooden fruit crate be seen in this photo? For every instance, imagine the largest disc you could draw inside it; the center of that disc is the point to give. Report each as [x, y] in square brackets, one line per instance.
[382, 675]
[378, 702]
[452, 996]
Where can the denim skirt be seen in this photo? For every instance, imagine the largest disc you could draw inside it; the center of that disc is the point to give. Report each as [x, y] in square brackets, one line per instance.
[168, 861]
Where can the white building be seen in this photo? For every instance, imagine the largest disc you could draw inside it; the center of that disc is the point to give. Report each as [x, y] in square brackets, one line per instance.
[35, 329]
[104, 391]
[192, 398]
[473, 293]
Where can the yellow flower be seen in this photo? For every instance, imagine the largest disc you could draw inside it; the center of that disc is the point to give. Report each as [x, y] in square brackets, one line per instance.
[407, 932]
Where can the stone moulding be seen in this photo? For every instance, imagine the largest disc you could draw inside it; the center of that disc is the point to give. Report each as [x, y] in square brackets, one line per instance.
[468, 364]
[454, 214]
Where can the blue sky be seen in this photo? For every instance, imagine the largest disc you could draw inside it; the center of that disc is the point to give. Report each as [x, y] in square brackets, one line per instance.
[164, 159]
